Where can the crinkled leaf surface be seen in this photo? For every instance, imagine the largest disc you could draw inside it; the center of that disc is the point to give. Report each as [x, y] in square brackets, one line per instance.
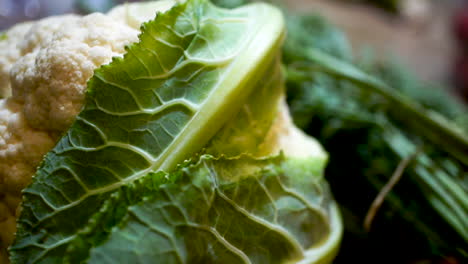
[191, 71]
[237, 210]
[258, 116]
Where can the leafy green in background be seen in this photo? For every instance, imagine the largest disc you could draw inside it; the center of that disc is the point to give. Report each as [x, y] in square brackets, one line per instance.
[423, 215]
[369, 130]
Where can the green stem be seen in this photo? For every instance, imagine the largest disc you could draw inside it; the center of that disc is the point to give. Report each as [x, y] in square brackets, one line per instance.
[429, 124]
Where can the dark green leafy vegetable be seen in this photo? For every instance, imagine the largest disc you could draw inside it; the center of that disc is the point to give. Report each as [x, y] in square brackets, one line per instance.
[369, 128]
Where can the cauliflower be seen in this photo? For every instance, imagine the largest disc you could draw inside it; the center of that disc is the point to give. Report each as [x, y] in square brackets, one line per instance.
[57, 61]
[9, 54]
[44, 67]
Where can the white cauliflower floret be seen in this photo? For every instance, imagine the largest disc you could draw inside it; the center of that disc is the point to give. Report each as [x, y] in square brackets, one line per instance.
[9, 54]
[21, 150]
[21, 147]
[47, 65]
[51, 79]
[41, 32]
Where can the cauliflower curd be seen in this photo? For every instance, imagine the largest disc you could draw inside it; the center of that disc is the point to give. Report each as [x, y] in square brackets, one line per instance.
[44, 67]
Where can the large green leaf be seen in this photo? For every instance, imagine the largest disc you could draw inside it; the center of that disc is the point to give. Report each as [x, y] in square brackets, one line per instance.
[192, 71]
[236, 210]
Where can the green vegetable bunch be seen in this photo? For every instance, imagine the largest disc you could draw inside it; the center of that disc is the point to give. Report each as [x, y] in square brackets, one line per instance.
[377, 134]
